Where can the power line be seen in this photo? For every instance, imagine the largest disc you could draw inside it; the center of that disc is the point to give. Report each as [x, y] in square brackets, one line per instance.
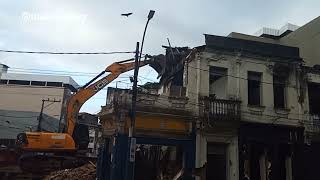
[11, 127]
[305, 121]
[237, 77]
[18, 116]
[50, 87]
[35, 94]
[164, 97]
[64, 73]
[66, 53]
[50, 70]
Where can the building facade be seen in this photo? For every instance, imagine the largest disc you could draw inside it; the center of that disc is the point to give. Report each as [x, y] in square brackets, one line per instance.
[252, 102]
[24, 95]
[247, 96]
[255, 99]
[94, 132]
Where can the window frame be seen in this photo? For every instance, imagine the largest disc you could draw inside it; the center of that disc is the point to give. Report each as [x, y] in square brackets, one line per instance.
[219, 72]
[250, 79]
[279, 82]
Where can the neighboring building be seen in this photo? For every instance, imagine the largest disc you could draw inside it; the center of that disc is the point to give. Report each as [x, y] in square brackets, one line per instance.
[94, 132]
[21, 102]
[307, 39]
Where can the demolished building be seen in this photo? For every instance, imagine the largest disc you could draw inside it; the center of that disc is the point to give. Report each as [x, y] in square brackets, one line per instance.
[250, 103]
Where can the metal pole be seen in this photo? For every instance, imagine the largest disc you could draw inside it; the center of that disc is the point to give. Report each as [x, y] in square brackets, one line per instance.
[142, 42]
[134, 91]
[40, 116]
[135, 76]
[41, 111]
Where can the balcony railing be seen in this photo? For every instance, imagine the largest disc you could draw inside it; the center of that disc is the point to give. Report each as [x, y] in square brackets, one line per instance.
[222, 109]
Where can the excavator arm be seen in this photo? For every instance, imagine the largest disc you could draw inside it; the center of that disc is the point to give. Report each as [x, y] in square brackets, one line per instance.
[90, 89]
[64, 141]
[43, 151]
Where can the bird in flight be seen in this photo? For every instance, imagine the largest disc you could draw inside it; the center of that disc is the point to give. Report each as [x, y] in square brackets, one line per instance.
[126, 14]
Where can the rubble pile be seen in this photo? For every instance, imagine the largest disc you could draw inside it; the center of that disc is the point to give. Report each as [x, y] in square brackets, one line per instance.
[85, 172]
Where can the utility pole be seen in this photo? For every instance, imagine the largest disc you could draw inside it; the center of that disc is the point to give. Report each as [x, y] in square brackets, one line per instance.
[41, 112]
[134, 91]
[132, 140]
[135, 75]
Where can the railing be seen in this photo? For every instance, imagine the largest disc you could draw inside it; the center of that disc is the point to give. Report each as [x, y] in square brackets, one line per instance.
[222, 109]
[313, 124]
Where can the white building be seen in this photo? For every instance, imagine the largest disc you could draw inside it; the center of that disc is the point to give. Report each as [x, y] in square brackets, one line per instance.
[21, 97]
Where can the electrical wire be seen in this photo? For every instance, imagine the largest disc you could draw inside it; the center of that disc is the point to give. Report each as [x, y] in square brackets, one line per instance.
[18, 116]
[230, 76]
[11, 127]
[104, 98]
[50, 87]
[34, 94]
[237, 77]
[50, 70]
[306, 121]
[65, 73]
[67, 53]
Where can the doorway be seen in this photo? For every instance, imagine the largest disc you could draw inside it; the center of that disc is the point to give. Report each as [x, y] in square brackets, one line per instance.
[216, 159]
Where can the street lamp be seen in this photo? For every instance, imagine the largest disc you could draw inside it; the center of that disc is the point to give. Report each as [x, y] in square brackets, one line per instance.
[132, 140]
[135, 76]
[150, 16]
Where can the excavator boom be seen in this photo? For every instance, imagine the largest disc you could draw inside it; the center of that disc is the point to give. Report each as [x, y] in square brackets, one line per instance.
[77, 100]
[59, 142]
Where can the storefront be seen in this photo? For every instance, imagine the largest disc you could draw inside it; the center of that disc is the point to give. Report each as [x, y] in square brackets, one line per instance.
[270, 152]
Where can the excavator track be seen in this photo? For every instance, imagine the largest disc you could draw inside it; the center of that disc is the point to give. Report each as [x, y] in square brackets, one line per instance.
[46, 162]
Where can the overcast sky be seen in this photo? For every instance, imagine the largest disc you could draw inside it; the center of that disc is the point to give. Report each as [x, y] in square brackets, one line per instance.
[90, 26]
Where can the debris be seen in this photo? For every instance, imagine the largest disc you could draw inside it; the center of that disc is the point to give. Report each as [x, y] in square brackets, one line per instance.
[85, 172]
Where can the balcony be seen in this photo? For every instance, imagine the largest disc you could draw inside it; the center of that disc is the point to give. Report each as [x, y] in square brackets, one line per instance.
[222, 109]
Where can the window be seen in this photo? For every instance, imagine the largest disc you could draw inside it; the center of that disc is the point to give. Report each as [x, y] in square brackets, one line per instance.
[314, 98]
[54, 84]
[3, 81]
[218, 81]
[91, 139]
[19, 82]
[38, 83]
[279, 91]
[254, 88]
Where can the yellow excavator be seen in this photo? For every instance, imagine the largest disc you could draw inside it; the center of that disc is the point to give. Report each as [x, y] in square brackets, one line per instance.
[44, 151]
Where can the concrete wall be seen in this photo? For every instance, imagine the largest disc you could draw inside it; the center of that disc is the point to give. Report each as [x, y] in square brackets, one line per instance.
[20, 106]
[219, 88]
[237, 86]
[232, 157]
[307, 38]
[28, 98]
[252, 38]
